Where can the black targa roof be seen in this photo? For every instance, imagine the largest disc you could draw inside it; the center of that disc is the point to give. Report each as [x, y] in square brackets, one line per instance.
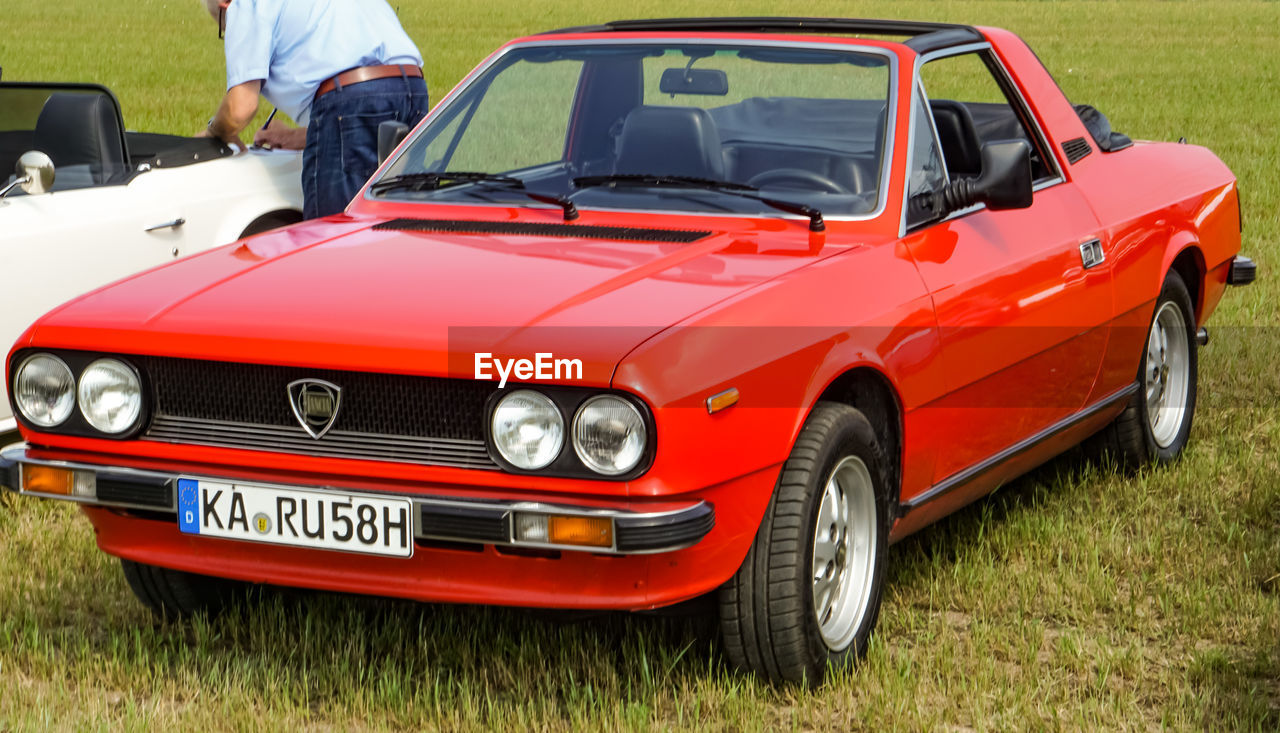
[923, 37]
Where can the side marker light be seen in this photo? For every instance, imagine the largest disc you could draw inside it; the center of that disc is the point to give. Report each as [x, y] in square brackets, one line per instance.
[722, 400]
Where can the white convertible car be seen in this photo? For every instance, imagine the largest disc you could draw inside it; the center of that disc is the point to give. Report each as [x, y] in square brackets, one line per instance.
[114, 202]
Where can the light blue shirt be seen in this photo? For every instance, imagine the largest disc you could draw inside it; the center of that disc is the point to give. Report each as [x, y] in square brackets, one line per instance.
[294, 45]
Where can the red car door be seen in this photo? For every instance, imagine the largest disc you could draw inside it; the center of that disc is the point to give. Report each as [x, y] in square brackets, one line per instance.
[1022, 322]
[1023, 297]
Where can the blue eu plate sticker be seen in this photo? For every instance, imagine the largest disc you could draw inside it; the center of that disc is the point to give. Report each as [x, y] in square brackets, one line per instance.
[188, 505]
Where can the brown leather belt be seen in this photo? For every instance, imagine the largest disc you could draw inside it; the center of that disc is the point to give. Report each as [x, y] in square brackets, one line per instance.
[367, 73]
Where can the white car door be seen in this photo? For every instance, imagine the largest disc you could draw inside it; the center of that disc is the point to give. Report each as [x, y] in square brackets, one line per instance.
[55, 246]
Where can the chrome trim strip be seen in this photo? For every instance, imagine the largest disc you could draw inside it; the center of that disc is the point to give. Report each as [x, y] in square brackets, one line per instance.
[925, 58]
[173, 422]
[891, 108]
[966, 475]
[450, 452]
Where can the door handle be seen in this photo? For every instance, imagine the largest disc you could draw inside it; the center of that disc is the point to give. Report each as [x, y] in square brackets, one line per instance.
[1091, 253]
[167, 225]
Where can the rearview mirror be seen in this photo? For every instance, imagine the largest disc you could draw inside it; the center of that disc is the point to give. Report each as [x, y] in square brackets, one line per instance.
[34, 173]
[711, 82]
[390, 134]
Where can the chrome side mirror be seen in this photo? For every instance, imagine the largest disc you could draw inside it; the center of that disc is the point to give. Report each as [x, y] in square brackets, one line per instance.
[35, 174]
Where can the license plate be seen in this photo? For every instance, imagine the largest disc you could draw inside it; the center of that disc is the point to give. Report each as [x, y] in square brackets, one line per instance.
[297, 517]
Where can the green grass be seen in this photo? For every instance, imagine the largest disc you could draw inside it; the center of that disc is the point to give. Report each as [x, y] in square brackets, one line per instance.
[1076, 598]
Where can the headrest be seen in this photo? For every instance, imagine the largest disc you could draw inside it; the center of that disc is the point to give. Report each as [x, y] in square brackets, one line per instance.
[670, 141]
[961, 147]
[81, 129]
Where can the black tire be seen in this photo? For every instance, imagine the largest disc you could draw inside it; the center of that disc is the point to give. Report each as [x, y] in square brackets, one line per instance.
[272, 220]
[174, 594]
[768, 619]
[1130, 438]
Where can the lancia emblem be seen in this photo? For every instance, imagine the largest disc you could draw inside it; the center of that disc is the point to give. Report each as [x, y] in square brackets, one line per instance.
[315, 403]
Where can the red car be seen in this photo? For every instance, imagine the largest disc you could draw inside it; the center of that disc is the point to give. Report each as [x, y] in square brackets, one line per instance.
[644, 312]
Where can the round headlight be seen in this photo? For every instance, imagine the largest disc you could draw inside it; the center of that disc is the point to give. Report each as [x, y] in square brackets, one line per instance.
[609, 435]
[110, 396]
[527, 429]
[44, 390]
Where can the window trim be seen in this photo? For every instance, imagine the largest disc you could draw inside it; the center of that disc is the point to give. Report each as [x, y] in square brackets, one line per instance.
[986, 54]
[920, 100]
[477, 74]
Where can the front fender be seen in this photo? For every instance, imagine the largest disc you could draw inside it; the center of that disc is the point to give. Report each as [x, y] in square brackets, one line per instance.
[780, 345]
[269, 182]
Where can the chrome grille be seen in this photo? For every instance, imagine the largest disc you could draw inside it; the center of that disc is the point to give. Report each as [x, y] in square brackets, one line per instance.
[384, 417]
[335, 444]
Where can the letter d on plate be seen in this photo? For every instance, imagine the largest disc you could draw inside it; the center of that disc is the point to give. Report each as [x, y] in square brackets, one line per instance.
[188, 505]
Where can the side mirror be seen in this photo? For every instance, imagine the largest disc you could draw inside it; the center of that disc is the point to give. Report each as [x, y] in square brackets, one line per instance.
[1005, 182]
[390, 134]
[35, 173]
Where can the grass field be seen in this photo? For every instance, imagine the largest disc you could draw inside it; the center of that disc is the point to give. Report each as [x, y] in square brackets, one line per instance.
[1076, 598]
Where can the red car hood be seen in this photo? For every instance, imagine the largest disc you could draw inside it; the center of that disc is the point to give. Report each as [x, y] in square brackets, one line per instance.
[342, 295]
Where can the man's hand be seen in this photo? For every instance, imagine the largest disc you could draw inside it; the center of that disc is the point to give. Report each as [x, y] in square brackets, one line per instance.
[235, 142]
[281, 137]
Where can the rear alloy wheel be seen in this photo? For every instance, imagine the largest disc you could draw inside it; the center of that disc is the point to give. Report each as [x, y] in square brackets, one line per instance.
[808, 593]
[174, 594]
[1156, 423]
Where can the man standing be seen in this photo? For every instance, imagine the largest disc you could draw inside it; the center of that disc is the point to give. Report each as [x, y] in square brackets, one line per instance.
[337, 67]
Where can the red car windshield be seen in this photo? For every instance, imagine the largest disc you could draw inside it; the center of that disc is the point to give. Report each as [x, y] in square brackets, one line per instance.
[661, 126]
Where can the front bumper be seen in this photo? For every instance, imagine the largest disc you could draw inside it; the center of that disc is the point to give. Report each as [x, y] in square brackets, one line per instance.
[1243, 271]
[439, 519]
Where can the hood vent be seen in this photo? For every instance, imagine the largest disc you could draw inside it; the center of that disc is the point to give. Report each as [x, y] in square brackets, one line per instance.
[575, 231]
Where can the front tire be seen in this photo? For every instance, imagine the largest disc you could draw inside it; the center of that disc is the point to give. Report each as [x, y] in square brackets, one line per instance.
[174, 594]
[808, 593]
[1156, 424]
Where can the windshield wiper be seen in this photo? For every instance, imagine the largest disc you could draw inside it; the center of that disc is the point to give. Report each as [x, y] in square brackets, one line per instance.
[649, 180]
[443, 179]
[438, 180]
[645, 180]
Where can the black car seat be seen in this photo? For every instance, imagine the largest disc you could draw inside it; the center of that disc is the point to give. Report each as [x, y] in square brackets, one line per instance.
[81, 129]
[670, 141]
[961, 148]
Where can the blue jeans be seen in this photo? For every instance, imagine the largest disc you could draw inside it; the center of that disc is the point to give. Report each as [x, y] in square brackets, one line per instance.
[342, 138]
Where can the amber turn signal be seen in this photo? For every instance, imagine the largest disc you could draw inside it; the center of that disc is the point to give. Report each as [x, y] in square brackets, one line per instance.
[587, 531]
[59, 481]
[48, 480]
[721, 400]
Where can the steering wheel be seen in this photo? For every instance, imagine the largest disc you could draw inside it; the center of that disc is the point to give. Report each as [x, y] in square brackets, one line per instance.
[805, 179]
